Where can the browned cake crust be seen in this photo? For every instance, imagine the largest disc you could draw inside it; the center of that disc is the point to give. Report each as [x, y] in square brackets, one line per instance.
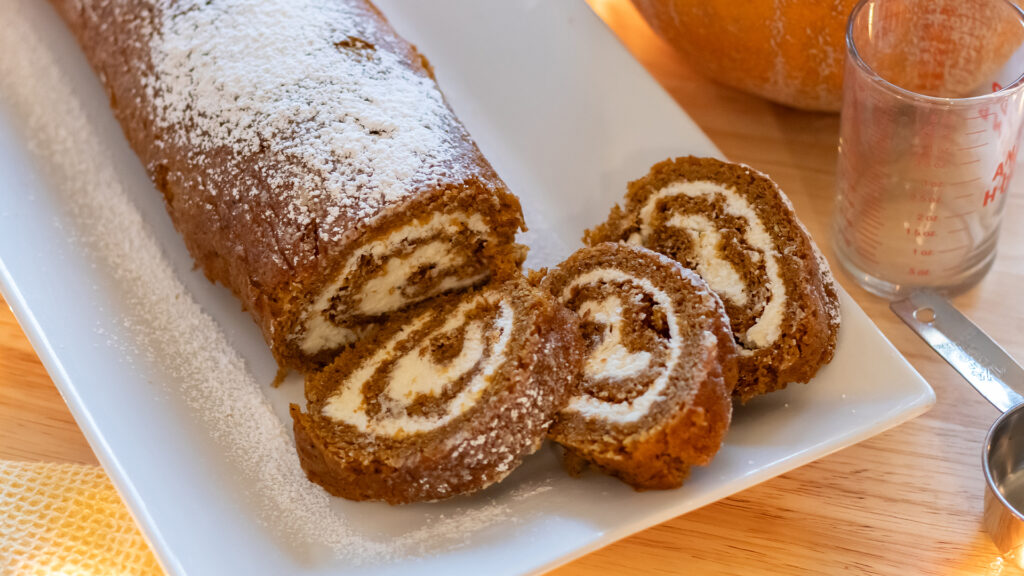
[660, 365]
[777, 288]
[302, 148]
[383, 421]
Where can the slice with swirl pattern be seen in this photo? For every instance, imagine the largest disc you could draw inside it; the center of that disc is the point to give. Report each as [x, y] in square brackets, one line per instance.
[654, 397]
[736, 228]
[443, 400]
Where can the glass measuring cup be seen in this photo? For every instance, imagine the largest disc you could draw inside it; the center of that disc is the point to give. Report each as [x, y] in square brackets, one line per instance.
[933, 104]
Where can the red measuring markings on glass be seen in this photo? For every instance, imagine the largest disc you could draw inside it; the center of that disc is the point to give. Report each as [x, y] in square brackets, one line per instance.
[1001, 179]
[928, 192]
[995, 114]
[986, 113]
[1004, 104]
[920, 232]
[927, 196]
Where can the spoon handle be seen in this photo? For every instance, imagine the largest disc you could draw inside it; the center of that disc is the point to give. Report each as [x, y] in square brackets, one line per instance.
[982, 362]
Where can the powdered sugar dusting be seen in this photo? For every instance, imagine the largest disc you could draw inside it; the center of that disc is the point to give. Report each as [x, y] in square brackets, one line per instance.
[168, 327]
[315, 92]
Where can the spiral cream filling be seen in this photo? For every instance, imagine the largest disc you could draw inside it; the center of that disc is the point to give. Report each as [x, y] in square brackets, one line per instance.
[611, 359]
[416, 374]
[720, 274]
[386, 291]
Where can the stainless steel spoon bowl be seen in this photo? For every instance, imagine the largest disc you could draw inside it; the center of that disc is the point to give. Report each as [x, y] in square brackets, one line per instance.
[995, 374]
[1004, 474]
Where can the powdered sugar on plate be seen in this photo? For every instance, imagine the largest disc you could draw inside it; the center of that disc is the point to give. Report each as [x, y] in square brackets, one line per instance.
[170, 329]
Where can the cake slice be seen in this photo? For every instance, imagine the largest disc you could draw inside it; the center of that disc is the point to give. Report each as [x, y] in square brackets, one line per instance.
[660, 364]
[444, 399]
[736, 228]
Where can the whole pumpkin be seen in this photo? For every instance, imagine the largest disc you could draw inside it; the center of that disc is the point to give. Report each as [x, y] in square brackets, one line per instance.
[788, 51]
[793, 51]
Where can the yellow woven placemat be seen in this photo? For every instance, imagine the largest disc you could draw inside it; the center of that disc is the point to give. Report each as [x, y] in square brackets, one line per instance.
[67, 519]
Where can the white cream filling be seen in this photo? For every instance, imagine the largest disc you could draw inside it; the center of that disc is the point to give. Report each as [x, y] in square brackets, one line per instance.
[383, 293]
[416, 374]
[321, 334]
[624, 412]
[769, 325]
[719, 273]
[611, 359]
[419, 374]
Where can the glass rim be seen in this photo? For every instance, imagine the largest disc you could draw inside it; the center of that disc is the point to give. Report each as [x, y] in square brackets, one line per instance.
[854, 54]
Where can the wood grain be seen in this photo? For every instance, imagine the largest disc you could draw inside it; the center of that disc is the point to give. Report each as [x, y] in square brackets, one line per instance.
[906, 502]
[34, 421]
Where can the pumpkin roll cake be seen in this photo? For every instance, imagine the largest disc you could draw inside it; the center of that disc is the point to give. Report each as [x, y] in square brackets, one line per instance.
[445, 399]
[654, 395]
[306, 155]
[736, 228]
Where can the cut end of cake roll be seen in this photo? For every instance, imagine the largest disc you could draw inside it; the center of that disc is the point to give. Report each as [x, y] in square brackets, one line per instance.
[735, 227]
[461, 239]
[445, 399]
[654, 396]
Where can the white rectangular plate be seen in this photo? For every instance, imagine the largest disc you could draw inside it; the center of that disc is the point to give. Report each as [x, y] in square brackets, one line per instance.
[567, 117]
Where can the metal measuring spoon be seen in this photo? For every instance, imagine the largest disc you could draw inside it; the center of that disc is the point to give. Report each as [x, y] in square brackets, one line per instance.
[995, 374]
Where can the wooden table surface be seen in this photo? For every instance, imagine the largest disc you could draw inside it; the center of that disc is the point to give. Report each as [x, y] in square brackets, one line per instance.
[906, 502]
